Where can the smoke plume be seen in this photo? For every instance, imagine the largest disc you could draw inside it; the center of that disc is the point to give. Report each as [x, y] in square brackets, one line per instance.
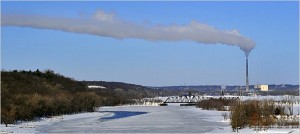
[109, 25]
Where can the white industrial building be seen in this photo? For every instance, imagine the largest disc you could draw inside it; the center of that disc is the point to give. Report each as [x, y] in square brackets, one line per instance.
[262, 87]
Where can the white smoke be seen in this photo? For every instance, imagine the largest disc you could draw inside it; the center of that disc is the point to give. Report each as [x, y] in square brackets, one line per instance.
[108, 24]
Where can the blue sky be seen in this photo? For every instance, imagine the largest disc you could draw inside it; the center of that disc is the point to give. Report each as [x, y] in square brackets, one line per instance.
[272, 25]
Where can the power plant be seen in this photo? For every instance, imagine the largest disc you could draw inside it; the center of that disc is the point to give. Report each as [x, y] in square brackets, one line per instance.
[247, 80]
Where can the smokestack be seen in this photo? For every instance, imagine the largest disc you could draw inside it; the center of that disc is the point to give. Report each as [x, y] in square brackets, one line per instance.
[247, 80]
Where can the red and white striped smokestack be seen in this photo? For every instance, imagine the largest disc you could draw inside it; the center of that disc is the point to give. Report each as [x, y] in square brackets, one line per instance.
[247, 80]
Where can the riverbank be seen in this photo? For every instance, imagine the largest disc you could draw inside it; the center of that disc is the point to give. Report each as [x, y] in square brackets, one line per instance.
[31, 126]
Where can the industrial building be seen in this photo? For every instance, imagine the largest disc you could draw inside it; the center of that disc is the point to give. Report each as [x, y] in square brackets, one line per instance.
[262, 87]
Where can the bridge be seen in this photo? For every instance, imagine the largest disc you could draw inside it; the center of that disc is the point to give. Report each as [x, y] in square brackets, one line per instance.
[186, 99]
[194, 98]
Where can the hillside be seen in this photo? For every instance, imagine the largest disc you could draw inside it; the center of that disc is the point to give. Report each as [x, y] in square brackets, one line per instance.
[29, 94]
[122, 93]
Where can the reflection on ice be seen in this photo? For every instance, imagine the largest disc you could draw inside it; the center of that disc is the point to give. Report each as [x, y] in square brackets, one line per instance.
[120, 114]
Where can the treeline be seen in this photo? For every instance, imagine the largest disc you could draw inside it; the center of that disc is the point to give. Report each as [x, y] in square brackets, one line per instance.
[261, 114]
[29, 94]
[280, 92]
[216, 104]
[215, 90]
[254, 113]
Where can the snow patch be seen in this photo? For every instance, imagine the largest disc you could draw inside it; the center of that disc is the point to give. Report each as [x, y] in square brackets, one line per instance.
[95, 86]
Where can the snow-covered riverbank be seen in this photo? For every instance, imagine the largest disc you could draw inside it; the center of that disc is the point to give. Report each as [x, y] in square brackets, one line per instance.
[154, 119]
[31, 126]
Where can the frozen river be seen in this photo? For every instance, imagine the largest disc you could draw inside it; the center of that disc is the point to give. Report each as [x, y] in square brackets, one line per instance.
[140, 119]
[136, 119]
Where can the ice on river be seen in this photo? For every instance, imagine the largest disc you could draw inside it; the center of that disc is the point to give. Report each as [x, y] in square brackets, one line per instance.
[155, 119]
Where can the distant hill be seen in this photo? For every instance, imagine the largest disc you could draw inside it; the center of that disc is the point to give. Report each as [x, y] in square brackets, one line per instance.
[113, 85]
[282, 89]
[122, 92]
[218, 87]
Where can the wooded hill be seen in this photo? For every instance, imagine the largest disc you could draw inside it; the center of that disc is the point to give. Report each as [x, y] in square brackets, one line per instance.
[123, 93]
[29, 94]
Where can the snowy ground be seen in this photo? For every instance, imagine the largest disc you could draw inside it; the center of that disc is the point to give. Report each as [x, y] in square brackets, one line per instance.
[296, 109]
[157, 119]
